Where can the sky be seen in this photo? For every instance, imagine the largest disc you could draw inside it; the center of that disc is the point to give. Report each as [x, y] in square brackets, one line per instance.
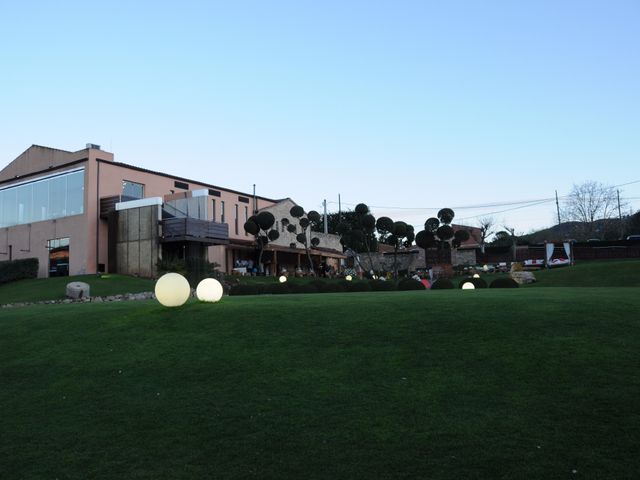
[407, 106]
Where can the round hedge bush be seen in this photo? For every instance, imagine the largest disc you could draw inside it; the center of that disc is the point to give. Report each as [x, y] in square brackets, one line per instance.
[504, 282]
[410, 284]
[477, 282]
[277, 288]
[358, 286]
[245, 289]
[442, 284]
[382, 286]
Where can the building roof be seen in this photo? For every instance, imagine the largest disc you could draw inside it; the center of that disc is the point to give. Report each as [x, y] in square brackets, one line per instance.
[188, 180]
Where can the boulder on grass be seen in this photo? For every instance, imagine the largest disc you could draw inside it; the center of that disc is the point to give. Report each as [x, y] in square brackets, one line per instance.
[523, 277]
[78, 290]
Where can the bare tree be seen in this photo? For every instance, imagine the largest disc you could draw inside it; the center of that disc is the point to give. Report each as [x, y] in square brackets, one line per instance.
[486, 225]
[591, 203]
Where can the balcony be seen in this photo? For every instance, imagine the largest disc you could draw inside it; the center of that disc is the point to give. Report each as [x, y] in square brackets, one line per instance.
[194, 230]
[108, 204]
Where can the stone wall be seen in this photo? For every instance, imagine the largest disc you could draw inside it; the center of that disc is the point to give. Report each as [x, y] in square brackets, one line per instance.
[137, 241]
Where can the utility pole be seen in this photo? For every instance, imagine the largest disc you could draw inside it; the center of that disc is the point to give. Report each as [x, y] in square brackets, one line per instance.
[326, 226]
[620, 215]
[558, 207]
[255, 201]
[339, 210]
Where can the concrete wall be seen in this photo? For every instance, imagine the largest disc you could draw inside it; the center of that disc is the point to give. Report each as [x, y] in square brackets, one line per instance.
[281, 210]
[137, 246]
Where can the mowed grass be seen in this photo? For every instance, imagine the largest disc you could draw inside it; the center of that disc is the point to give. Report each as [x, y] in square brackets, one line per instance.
[37, 289]
[519, 384]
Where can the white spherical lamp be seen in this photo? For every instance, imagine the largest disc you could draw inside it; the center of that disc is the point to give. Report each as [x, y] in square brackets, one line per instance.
[209, 290]
[468, 286]
[282, 278]
[172, 290]
[485, 268]
[348, 278]
[475, 275]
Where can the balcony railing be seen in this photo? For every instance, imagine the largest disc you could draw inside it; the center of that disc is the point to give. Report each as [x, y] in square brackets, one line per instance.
[194, 230]
[108, 204]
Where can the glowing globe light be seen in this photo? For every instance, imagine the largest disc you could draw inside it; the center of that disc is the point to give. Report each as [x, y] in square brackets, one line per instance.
[348, 278]
[485, 268]
[468, 286]
[172, 290]
[282, 279]
[475, 275]
[209, 290]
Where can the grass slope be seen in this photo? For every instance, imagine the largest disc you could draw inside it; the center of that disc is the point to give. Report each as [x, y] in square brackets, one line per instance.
[54, 288]
[527, 383]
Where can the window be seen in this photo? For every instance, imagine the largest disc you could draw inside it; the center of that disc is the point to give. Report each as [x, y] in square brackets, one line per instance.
[58, 257]
[47, 198]
[222, 211]
[236, 220]
[132, 189]
[214, 193]
[243, 199]
[182, 185]
[214, 210]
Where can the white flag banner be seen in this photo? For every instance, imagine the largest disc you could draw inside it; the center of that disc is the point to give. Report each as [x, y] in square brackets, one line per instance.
[550, 248]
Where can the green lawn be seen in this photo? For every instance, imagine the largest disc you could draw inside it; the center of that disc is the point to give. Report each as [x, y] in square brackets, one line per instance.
[55, 288]
[529, 383]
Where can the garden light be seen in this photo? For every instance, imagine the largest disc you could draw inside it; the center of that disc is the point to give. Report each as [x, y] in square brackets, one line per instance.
[468, 286]
[209, 290]
[282, 279]
[475, 275]
[348, 278]
[485, 268]
[172, 290]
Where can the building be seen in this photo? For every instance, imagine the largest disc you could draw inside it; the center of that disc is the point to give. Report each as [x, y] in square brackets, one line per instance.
[82, 212]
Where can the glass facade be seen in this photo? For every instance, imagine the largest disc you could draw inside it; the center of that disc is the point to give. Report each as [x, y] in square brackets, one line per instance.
[45, 199]
[193, 207]
[132, 189]
[58, 257]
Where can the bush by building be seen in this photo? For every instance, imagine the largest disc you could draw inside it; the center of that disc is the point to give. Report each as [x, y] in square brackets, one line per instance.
[504, 282]
[410, 284]
[442, 284]
[13, 270]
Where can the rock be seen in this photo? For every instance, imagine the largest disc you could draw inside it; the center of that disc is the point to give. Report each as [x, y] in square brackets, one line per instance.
[523, 277]
[78, 290]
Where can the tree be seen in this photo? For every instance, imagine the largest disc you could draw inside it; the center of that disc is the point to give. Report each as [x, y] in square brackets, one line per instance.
[486, 225]
[260, 227]
[632, 226]
[396, 234]
[312, 218]
[439, 233]
[589, 202]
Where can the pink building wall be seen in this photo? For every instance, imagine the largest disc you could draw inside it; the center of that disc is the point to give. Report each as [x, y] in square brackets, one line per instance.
[88, 233]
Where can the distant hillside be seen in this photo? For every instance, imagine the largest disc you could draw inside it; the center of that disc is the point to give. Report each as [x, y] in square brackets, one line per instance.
[603, 230]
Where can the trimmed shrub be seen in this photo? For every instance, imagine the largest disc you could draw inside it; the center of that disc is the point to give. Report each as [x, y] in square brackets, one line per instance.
[304, 288]
[246, 289]
[358, 286]
[477, 282]
[13, 270]
[504, 282]
[382, 286]
[410, 284]
[442, 284]
[277, 288]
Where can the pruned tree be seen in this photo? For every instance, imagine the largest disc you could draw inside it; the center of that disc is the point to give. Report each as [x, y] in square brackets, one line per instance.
[486, 225]
[593, 205]
[397, 234]
[358, 233]
[260, 227]
[438, 233]
[305, 221]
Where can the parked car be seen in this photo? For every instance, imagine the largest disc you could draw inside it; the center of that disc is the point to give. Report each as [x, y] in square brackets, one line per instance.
[635, 238]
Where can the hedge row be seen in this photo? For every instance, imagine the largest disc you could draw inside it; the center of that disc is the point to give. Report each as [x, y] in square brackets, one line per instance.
[13, 270]
[320, 286]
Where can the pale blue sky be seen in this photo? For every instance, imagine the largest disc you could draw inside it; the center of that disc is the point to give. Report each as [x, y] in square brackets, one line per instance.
[403, 104]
